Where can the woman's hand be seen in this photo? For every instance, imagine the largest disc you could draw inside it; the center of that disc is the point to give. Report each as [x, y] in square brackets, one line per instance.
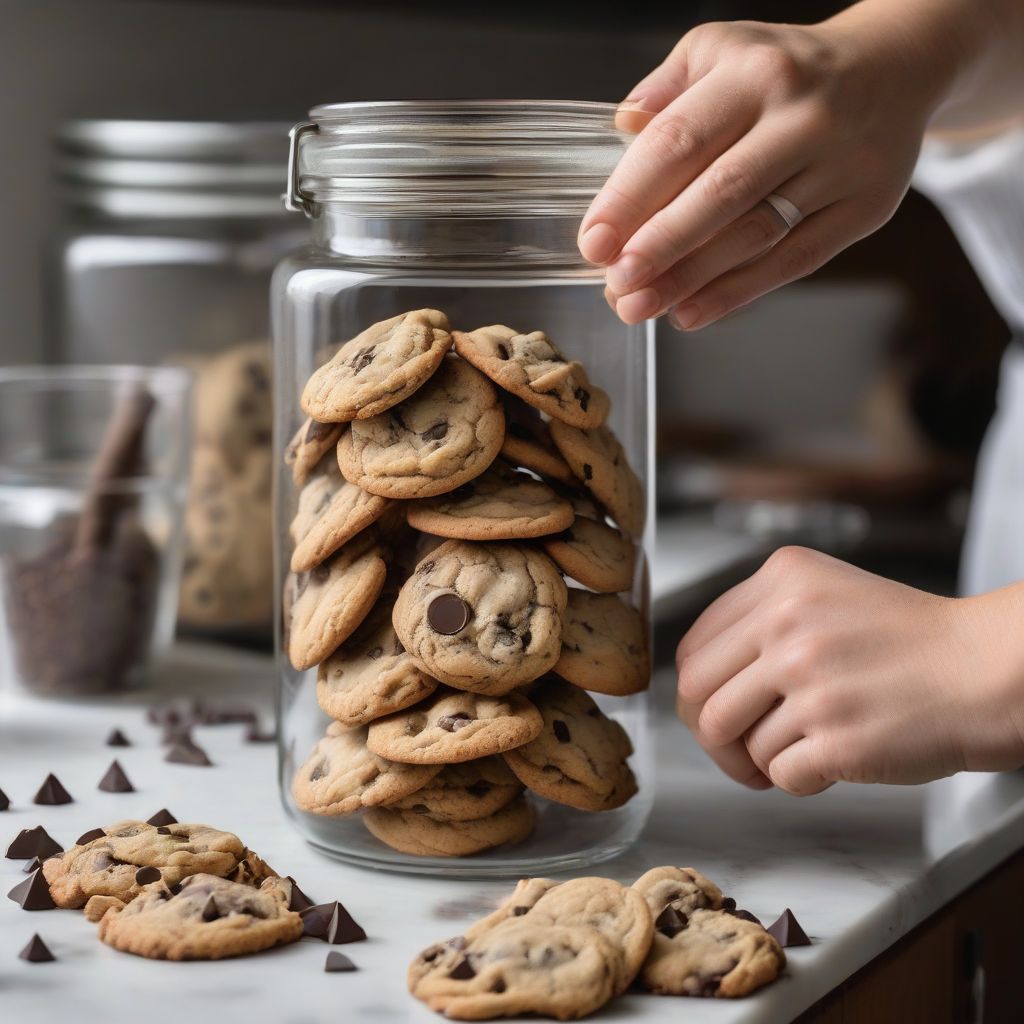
[830, 117]
[813, 672]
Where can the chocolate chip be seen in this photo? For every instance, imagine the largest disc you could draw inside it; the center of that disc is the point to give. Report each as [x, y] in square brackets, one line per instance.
[728, 903]
[787, 931]
[51, 792]
[498, 986]
[361, 360]
[462, 971]
[211, 912]
[182, 754]
[162, 817]
[436, 432]
[4, 802]
[745, 915]
[582, 395]
[338, 962]
[374, 653]
[453, 723]
[670, 922]
[503, 351]
[115, 780]
[342, 927]
[588, 471]
[519, 911]
[33, 893]
[163, 830]
[561, 731]
[320, 573]
[88, 837]
[117, 739]
[319, 770]
[298, 901]
[36, 952]
[147, 875]
[317, 431]
[447, 613]
[33, 842]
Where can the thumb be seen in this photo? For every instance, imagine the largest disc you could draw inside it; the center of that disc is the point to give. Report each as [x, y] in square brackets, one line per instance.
[653, 94]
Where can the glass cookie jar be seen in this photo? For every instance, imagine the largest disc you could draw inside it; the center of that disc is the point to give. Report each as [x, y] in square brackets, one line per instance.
[464, 503]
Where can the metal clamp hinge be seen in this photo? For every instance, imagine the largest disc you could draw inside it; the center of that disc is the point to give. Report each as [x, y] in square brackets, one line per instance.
[293, 198]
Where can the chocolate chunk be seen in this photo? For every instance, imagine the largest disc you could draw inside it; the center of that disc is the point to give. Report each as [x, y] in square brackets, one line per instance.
[147, 875]
[582, 395]
[436, 432]
[33, 893]
[254, 735]
[32, 865]
[338, 962]
[342, 927]
[298, 901]
[36, 952]
[33, 842]
[115, 780]
[787, 931]
[51, 792]
[315, 920]
[519, 911]
[670, 922]
[211, 912]
[447, 613]
[117, 739]
[462, 971]
[453, 723]
[163, 830]
[88, 837]
[4, 802]
[745, 915]
[182, 754]
[728, 903]
[362, 359]
[162, 817]
[588, 471]
[561, 731]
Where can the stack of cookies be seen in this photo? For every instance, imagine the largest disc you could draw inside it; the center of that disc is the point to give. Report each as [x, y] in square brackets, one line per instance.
[449, 485]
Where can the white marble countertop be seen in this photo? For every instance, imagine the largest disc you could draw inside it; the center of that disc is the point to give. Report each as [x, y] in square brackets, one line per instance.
[859, 867]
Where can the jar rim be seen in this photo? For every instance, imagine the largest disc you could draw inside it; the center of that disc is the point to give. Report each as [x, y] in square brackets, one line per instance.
[592, 111]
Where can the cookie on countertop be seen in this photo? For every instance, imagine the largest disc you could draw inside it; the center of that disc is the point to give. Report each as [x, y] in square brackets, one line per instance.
[710, 953]
[453, 726]
[599, 461]
[604, 645]
[378, 368]
[371, 674]
[449, 432]
[327, 604]
[106, 866]
[528, 443]
[594, 554]
[464, 792]
[312, 441]
[482, 617]
[342, 775]
[533, 369]
[203, 918]
[422, 836]
[579, 757]
[500, 504]
[683, 889]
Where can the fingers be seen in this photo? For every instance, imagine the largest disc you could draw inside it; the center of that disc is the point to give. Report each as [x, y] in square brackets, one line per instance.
[655, 92]
[793, 770]
[674, 148]
[810, 244]
[737, 706]
[703, 671]
[732, 759]
[770, 734]
[723, 612]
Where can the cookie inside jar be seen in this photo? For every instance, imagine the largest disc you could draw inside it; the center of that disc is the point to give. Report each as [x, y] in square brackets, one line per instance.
[478, 467]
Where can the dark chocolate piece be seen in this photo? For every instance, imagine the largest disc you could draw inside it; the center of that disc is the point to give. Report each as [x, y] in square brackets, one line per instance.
[33, 893]
[338, 962]
[787, 931]
[88, 837]
[33, 842]
[117, 739]
[462, 971]
[51, 792]
[4, 802]
[315, 920]
[298, 900]
[453, 723]
[342, 927]
[162, 817]
[670, 922]
[36, 952]
[745, 915]
[447, 614]
[211, 912]
[728, 904]
[115, 781]
[182, 754]
[147, 875]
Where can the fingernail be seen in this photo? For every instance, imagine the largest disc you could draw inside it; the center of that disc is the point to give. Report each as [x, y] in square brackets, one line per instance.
[609, 297]
[631, 119]
[599, 243]
[627, 272]
[682, 318]
[638, 306]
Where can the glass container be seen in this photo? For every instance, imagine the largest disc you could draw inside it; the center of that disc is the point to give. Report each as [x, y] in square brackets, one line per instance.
[170, 232]
[467, 212]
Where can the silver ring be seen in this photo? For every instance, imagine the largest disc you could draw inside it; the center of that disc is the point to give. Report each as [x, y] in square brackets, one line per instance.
[788, 213]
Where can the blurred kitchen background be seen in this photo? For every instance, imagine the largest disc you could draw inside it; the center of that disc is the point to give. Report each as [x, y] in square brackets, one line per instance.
[845, 411]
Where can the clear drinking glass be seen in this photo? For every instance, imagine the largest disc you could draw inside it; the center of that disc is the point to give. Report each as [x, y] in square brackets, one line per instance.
[93, 464]
[471, 208]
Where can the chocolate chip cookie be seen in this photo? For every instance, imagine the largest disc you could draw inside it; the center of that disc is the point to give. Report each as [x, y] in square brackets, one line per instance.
[594, 554]
[710, 953]
[328, 603]
[378, 368]
[107, 865]
[500, 504]
[343, 775]
[464, 792]
[371, 674]
[422, 836]
[528, 443]
[579, 757]
[454, 726]
[532, 368]
[312, 441]
[202, 918]
[449, 432]
[604, 644]
[683, 889]
[482, 617]
[599, 461]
